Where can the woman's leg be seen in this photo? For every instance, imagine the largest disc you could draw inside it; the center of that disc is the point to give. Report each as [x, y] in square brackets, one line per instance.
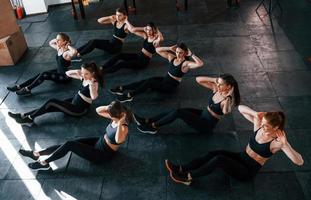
[55, 105]
[122, 60]
[191, 116]
[229, 162]
[84, 150]
[93, 44]
[142, 86]
[89, 141]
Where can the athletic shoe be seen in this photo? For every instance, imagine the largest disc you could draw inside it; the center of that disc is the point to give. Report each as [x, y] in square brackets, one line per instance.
[125, 98]
[23, 92]
[172, 168]
[138, 120]
[180, 178]
[25, 121]
[147, 128]
[28, 154]
[13, 88]
[116, 91]
[38, 166]
[15, 115]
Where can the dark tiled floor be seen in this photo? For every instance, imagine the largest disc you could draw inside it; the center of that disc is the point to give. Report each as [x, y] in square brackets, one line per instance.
[270, 69]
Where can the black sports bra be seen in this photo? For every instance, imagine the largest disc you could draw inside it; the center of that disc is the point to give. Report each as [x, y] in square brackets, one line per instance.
[119, 32]
[261, 149]
[215, 107]
[176, 70]
[149, 46]
[111, 134]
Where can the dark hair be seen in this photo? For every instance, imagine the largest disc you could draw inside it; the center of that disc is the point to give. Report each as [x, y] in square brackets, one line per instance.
[65, 37]
[230, 80]
[92, 67]
[153, 26]
[121, 10]
[275, 119]
[182, 46]
[116, 108]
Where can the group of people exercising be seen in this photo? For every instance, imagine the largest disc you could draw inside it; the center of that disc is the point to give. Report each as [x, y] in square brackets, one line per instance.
[269, 136]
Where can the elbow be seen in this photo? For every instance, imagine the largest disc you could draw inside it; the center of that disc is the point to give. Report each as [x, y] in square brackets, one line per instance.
[199, 79]
[93, 97]
[300, 162]
[200, 63]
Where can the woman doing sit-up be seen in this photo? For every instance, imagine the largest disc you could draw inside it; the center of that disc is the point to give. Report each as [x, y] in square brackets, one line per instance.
[95, 149]
[268, 138]
[179, 66]
[65, 52]
[76, 106]
[112, 46]
[225, 97]
[152, 38]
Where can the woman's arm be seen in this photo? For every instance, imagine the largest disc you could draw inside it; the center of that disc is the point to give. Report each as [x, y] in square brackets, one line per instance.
[208, 82]
[70, 53]
[93, 86]
[251, 115]
[196, 63]
[165, 52]
[107, 20]
[76, 74]
[159, 39]
[291, 153]
[122, 130]
[53, 44]
[103, 111]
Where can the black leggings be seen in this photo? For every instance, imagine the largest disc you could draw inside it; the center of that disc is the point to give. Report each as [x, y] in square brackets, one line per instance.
[51, 75]
[234, 164]
[111, 46]
[160, 84]
[191, 116]
[126, 60]
[55, 105]
[83, 147]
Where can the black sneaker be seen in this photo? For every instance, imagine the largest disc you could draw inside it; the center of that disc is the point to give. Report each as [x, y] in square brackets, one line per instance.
[125, 98]
[23, 92]
[147, 128]
[38, 166]
[116, 91]
[180, 178]
[28, 154]
[138, 120]
[172, 168]
[15, 115]
[13, 88]
[25, 121]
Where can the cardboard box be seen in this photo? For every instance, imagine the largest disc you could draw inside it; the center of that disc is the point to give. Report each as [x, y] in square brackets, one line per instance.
[12, 48]
[8, 23]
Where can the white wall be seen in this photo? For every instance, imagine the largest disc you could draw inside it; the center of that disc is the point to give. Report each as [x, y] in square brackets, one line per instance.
[40, 6]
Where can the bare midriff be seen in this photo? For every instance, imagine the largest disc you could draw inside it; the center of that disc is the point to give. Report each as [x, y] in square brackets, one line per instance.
[261, 160]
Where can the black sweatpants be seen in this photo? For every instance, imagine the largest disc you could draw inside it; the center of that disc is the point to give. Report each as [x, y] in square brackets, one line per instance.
[112, 46]
[126, 60]
[83, 147]
[55, 105]
[51, 75]
[234, 164]
[160, 84]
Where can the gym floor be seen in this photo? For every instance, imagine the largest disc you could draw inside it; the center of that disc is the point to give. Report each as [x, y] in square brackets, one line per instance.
[271, 68]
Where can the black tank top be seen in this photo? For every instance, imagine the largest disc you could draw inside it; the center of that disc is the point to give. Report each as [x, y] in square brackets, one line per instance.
[215, 107]
[119, 32]
[149, 46]
[261, 149]
[111, 134]
[77, 100]
[176, 70]
[62, 64]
